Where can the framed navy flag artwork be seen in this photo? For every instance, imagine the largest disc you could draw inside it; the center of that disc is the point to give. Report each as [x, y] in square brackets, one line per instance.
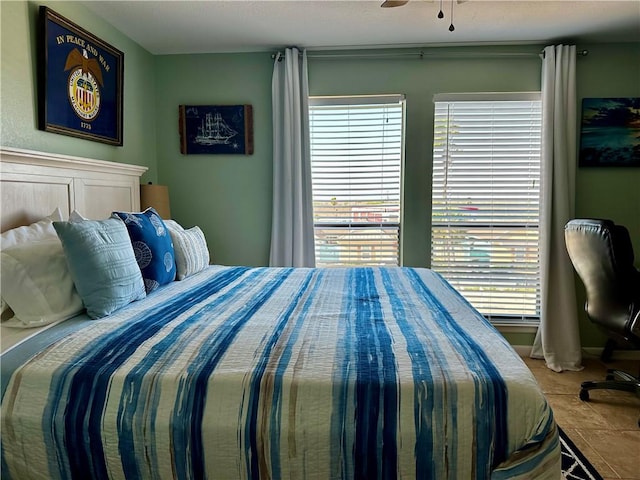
[80, 82]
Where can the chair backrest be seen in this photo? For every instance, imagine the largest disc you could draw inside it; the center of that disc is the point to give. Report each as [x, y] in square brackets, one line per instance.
[602, 255]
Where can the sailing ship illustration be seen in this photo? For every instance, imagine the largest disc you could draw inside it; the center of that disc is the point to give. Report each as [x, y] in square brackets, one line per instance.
[214, 131]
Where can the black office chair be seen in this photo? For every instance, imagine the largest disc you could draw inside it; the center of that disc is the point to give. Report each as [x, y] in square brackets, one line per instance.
[602, 254]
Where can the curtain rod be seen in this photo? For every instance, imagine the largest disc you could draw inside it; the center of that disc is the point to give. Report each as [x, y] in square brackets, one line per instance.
[421, 54]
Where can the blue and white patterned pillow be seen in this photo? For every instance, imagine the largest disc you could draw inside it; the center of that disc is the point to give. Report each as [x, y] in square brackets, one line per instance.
[152, 246]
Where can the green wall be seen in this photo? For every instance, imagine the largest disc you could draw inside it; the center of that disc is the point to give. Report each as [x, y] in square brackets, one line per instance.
[204, 188]
[229, 196]
[18, 88]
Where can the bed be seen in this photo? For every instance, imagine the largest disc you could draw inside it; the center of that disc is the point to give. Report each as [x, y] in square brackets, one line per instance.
[254, 372]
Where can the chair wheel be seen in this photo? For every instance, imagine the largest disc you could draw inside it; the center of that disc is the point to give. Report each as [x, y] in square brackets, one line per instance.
[584, 395]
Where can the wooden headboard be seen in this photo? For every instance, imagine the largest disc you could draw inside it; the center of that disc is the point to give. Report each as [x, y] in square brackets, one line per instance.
[34, 183]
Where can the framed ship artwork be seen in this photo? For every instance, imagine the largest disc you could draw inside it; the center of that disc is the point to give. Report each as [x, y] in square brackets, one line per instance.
[80, 81]
[216, 129]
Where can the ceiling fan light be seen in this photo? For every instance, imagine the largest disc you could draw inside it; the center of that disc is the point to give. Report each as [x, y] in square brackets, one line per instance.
[393, 3]
[451, 27]
[399, 3]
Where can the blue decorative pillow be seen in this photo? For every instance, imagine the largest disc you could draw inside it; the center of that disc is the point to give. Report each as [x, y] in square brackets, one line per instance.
[152, 246]
[102, 264]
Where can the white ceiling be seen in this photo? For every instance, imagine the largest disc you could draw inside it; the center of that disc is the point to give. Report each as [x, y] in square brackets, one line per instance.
[177, 27]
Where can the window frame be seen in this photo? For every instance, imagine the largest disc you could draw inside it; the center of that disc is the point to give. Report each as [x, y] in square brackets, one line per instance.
[357, 101]
[499, 319]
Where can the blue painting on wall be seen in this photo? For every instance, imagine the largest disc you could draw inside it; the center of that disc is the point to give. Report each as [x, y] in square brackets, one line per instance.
[610, 135]
[216, 129]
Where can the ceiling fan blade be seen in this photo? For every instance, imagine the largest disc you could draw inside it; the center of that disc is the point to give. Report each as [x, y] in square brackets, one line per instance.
[393, 3]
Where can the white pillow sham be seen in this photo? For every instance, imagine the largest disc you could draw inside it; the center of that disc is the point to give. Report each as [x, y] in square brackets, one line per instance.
[31, 233]
[37, 285]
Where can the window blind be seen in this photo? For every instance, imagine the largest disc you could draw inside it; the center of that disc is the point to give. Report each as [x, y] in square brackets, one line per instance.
[486, 202]
[356, 163]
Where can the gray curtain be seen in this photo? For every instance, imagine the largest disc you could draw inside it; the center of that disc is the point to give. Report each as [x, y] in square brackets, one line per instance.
[558, 337]
[292, 242]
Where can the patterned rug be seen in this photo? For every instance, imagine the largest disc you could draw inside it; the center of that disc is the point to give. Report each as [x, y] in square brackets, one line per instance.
[575, 466]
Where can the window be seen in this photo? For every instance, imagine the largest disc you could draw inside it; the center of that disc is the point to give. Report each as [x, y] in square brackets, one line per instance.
[357, 146]
[486, 201]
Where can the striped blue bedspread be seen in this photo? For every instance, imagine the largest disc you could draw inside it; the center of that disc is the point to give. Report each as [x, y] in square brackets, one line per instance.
[237, 373]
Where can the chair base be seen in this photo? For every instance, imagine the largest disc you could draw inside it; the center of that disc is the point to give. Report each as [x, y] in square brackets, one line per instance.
[615, 380]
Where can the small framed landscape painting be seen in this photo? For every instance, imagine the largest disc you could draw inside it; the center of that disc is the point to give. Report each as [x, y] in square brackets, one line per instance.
[216, 129]
[610, 133]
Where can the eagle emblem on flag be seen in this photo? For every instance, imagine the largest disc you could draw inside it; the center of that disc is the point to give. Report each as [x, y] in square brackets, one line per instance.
[84, 84]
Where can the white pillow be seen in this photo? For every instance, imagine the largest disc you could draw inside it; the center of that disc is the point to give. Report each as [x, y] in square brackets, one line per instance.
[31, 233]
[76, 217]
[192, 254]
[173, 225]
[37, 284]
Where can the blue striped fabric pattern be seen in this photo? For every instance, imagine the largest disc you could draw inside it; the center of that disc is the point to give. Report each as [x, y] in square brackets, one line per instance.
[364, 373]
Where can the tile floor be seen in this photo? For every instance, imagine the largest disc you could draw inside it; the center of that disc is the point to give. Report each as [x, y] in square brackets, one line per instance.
[605, 428]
